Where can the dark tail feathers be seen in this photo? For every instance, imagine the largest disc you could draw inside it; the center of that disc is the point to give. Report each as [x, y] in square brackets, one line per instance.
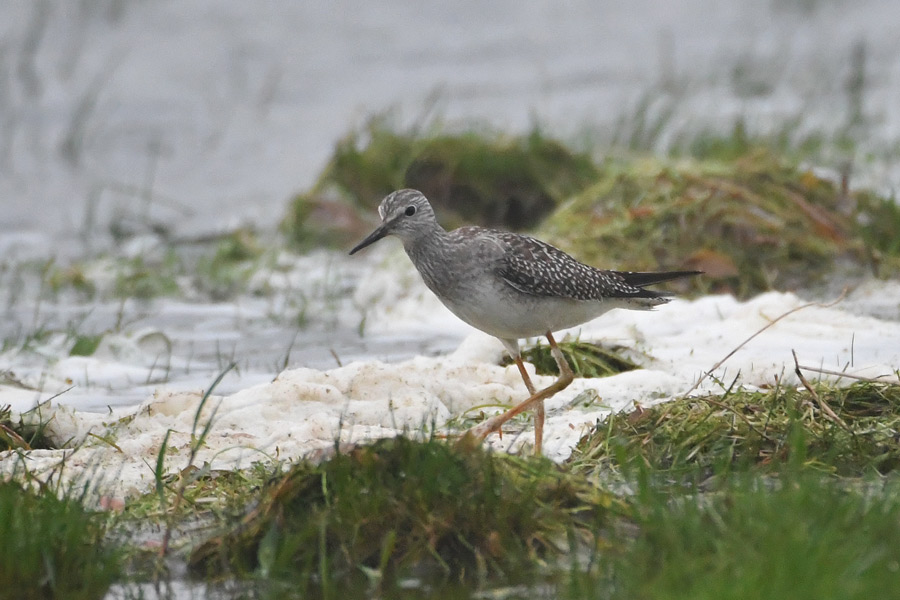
[644, 279]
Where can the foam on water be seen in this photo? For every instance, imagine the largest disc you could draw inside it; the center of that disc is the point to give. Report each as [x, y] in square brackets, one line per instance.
[304, 412]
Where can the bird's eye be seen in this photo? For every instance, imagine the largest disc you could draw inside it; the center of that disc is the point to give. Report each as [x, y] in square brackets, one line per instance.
[410, 211]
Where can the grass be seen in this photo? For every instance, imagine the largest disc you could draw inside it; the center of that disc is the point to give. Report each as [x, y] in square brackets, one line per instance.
[145, 279]
[585, 358]
[23, 432]
[760, 431]
[401, 508]
[198, 439]
[765, 223]
[52, 547]
[750, 494]
[757, 494]
[218, 268]
[225, 273]
[773, 493]
[85, 344]
[800, 536]
[471, 177]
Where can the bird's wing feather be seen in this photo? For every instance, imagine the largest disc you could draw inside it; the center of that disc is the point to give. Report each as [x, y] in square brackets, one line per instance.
[534, 267]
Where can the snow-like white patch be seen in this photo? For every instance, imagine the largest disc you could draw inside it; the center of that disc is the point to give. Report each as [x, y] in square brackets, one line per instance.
[303, 412]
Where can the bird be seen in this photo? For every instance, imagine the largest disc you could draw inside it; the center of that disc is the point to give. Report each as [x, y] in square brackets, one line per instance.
[510, 286]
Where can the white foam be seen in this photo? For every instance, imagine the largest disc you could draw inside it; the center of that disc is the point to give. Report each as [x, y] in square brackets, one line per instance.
[305, 411]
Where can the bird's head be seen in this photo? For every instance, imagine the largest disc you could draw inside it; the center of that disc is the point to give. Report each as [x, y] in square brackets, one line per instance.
[404, 213]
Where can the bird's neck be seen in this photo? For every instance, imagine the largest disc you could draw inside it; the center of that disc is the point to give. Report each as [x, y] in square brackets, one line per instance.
[432, 253]
[426, 241]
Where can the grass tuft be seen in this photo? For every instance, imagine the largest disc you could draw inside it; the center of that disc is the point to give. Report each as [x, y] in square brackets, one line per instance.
[585, 358]
[401, 507]
[23, 434]
[759, 431]
[234, 260]
[52, 547]
[803, 536]
[472, 177]
[147, 279]
[765, 223]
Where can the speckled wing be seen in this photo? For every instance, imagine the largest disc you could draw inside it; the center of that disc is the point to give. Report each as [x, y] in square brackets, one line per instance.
[534, 267]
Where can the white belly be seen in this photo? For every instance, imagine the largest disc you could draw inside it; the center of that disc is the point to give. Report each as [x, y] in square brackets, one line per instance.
[518, 317]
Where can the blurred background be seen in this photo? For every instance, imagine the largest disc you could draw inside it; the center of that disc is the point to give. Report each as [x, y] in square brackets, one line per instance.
[150, 152]
[181, 180]
[122, 117]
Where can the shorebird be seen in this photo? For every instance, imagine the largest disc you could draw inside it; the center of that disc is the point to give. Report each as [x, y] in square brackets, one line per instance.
[510, 286]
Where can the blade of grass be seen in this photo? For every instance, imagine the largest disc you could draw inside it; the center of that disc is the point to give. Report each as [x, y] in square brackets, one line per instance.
[196, 443]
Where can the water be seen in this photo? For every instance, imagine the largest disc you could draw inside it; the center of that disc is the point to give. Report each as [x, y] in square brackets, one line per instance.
[196, 116]
[123, 119]
[120, 119]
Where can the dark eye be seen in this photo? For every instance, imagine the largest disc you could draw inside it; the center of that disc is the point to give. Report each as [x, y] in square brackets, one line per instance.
[410, 211]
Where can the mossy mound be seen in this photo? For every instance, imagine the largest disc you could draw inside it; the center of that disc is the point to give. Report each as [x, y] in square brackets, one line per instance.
[752, 224]
[751, 219]
[399, 507]
[585, 358]
[471, 178]
[753, 431]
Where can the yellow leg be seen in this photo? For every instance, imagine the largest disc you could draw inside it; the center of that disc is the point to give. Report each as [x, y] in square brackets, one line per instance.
[525, 376]
[538, 410]
[482, 430]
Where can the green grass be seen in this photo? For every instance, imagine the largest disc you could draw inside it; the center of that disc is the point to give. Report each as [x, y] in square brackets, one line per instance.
[145, 279]
[225, 273]
[402, 508]
[218, 268]
[585, 358]
[750, 494]
[800, 535]
[763, 222]
[26, 431]
[52, 547]
[759, 431]
[766, 221]
[85, 344]
[479, 177]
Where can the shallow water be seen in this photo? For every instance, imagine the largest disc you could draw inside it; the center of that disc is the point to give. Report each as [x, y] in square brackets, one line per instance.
[126, 122]
[195, 116]
[180, 344]
[126, 118]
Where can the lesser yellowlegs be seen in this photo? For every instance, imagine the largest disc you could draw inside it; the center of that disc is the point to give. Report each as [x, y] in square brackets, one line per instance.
[510, 286]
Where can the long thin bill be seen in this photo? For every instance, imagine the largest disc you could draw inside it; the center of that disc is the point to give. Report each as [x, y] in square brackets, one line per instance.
[373, 237]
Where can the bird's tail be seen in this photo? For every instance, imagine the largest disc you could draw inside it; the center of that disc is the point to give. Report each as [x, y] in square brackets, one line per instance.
[638, 279]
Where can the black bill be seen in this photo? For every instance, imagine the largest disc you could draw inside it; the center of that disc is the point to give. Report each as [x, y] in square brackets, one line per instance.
[373, 237]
